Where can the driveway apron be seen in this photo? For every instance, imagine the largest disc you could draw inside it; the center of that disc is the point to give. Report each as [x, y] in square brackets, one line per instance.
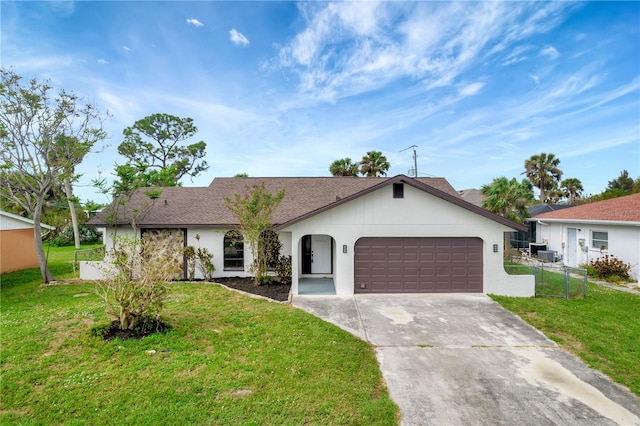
[464, 360]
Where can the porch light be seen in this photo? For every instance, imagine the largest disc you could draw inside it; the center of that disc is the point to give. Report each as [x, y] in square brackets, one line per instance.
[495, 248]
[344, 248]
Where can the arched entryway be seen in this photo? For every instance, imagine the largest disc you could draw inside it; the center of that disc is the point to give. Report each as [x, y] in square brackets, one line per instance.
[316, 264]
[317, 254]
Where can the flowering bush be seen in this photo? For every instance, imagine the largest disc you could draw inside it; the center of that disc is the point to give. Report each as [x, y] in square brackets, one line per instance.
[609, 267]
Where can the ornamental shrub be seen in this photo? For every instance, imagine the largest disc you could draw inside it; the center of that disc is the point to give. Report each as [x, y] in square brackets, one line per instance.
[609, 267]
[137, 283]
[283, 269]
[204, 261]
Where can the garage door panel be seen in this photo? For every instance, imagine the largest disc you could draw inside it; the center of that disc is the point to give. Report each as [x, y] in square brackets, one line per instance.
[459, 272]
[427, 271]
[427, 257]
[418, 265]
[459, 257]
[409, 272]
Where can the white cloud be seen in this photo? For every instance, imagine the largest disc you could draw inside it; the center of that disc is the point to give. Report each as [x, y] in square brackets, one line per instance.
[516, 55]
[195, 22]
[550, 51]
[238, 38]
[470, 89]
[535, 78]
[103, 61]
[126, 48]
[120, 105]
[336, 55]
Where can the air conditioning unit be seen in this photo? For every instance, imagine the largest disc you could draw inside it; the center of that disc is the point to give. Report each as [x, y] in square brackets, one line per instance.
[534, 248]
[547, 255]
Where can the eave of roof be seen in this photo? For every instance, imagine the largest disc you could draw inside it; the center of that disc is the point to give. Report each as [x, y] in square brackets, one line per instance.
[542, 220]
[25, 220]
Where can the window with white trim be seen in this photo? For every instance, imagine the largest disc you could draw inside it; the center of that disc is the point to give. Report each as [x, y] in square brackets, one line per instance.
[600, 240]
[233, 251]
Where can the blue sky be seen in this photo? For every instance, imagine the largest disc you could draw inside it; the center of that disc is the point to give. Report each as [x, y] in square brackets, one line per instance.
[284, 89]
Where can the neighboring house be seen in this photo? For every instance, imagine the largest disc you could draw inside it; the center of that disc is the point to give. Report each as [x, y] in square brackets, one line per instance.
[364, 235]
[17, 244]
[521, 239]
[473, 196]
[589, 231]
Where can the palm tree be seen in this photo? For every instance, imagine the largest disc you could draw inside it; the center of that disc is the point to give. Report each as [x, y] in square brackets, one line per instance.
[572, 188]
[543, 172]
[508, 198]
[374, 164]
[344, 167]
[554, 193]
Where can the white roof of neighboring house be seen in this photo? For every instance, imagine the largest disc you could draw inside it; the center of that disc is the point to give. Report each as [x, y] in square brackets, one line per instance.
[23, 220]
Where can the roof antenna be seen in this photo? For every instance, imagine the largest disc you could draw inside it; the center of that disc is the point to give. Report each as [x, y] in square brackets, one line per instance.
[413, 172]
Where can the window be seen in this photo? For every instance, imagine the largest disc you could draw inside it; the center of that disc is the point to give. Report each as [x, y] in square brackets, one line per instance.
[233, 251]
[398, 190]
[600, 240]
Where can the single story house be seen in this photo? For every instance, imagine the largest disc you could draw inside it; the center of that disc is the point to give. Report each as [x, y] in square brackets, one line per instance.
[587, 232]
[17, 244]
[361, 235]
[521, 240]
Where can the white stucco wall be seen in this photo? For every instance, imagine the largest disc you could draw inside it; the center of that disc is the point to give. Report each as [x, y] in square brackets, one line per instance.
[120, 233]
[213, 239]
[95, 270]
[418, 214]
[210, 238]
[624, 241]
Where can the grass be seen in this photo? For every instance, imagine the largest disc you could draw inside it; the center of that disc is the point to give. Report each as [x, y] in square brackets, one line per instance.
[549, 283]
[229, 359]
[603, 329]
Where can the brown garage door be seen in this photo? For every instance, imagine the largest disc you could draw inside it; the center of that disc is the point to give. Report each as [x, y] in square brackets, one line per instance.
[418, 265]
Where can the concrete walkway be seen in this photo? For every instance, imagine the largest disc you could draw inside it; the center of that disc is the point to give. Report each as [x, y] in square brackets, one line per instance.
[464, 360]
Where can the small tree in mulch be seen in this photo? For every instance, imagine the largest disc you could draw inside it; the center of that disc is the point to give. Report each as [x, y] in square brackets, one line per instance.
[254, 210]
[137, 284]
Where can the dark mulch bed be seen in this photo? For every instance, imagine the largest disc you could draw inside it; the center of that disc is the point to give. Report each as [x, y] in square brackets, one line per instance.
[147, 329]
[275, 291]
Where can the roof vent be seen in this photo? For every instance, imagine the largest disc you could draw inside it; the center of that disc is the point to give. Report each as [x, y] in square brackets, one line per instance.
[398, 190]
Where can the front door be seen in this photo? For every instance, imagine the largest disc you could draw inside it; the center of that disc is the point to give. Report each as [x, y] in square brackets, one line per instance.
[572, 238]
[316, 254]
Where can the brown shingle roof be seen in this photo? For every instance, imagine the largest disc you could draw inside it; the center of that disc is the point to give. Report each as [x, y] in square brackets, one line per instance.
[304, 197]
[180, 206]
[621, 209]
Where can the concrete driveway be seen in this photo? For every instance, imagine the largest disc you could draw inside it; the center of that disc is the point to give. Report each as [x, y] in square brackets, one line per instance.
[464, 360]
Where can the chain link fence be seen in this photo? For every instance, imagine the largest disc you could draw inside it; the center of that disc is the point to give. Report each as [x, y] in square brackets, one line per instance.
[96, 253]
[552, 279]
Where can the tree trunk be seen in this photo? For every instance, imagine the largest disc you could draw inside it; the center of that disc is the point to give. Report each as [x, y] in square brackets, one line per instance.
[72, 209]
[37, 237]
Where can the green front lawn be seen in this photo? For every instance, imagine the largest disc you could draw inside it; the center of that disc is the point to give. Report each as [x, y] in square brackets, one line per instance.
[229, 359]
[603, 329]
